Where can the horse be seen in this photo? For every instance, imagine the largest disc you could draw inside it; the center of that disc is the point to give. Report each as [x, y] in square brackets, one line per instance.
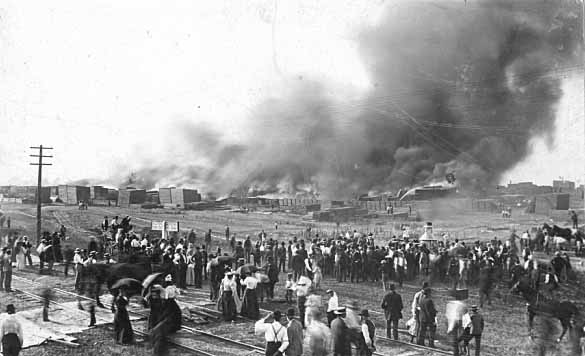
[538, 303]
[95, 275]
[558, 231]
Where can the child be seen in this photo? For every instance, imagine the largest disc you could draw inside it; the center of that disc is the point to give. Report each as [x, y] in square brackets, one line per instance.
[412, 326]
[289, 288]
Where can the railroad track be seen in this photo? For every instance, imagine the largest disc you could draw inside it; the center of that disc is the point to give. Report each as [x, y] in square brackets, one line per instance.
[389, 345]
[179, 340]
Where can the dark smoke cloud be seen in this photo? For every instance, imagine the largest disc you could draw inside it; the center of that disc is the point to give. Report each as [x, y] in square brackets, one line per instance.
[457, 88]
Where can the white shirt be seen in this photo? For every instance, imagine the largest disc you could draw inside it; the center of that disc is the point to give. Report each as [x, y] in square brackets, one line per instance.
[170, 292]
[466, 321]
[77, 259]
[229, 284]
[415, 301]
[11, 325]
[250, 282]
[273, 332]
[366, 333]
[135, 243]
[399, 261]
[333, 303]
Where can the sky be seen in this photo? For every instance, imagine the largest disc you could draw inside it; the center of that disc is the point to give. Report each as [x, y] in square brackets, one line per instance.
[104, 82]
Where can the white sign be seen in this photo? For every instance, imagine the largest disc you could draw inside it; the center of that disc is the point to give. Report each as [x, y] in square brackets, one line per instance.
[165, 226]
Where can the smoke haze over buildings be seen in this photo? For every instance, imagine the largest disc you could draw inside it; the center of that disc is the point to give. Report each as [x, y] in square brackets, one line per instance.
[455, 88]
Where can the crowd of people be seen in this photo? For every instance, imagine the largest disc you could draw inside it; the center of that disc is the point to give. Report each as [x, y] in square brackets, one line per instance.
[247, 274]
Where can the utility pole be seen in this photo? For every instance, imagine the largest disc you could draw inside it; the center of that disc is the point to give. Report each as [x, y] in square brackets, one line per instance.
[39, 183]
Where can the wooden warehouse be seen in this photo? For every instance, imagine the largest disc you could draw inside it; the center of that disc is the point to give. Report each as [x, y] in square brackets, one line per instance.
[73, 194]
[127, 197]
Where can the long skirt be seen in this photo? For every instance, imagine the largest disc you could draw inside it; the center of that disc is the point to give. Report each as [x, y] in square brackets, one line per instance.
[173, 311]
[250, 306]
[20, 261]
[228, 306]
[190, 275]
[122, 327]
[156, 313]
[11, 344]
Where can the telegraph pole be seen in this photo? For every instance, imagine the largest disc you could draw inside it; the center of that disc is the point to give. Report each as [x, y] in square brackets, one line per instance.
[39, 183]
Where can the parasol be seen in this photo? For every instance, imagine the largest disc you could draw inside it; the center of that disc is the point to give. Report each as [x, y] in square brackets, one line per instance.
[247, 269]
[149, 280]
[133, 286]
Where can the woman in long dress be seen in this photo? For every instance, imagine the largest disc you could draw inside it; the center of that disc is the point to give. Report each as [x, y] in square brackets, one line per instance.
[228, 295]
[171, 308]
[250, 307]
[190, 279]
[19, 250]
[122, 326]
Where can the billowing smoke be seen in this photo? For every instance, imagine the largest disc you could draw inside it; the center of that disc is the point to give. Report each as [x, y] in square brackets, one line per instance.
[456, 88]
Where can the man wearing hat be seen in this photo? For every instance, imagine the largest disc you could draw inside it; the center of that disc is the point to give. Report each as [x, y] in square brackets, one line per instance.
[91, 259]
[108, 259]
[294, 330]
[339, 332]
[332, 305]
[368, 333]
[418, 296]
[275, 333]
[392, 305]
[427, 317]
[473, 325]
[11, 333]
[78, 265]
[26, 247]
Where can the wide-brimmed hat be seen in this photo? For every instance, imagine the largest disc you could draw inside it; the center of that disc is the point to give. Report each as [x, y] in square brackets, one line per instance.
[329, 291]
[77, 250]
[340, 311]
[474, 308]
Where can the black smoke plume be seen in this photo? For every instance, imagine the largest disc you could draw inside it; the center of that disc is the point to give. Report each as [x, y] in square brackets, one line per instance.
[456, 87]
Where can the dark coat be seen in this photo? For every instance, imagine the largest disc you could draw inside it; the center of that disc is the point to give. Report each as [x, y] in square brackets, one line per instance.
[339, 332]
[392, 305]
[427, 311]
